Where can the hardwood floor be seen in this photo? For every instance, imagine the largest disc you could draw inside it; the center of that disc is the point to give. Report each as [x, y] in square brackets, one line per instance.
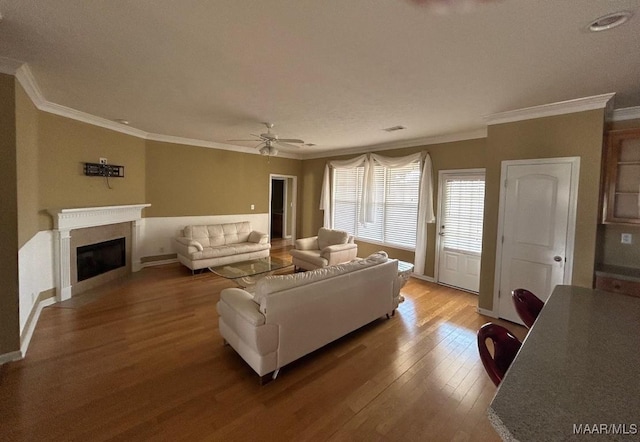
[143, 360]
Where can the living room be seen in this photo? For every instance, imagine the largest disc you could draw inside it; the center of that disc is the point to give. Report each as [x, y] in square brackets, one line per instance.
[187, 180]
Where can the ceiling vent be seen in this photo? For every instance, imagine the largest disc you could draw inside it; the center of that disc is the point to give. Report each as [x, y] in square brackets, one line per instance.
[394, 128]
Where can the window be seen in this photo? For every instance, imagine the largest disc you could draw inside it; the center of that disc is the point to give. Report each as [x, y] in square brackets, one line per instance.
[464, 209]
[396, 204]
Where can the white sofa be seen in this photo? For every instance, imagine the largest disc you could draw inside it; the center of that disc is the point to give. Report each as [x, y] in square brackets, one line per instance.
[207, 246]
[329, 247]
[289, 316]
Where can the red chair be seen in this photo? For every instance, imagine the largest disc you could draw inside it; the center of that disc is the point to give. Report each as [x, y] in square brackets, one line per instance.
[505, 348]
[527, 305]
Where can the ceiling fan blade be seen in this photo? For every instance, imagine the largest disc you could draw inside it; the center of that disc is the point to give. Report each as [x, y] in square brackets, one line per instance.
[253, 139]
[292, 146]
[291, 140]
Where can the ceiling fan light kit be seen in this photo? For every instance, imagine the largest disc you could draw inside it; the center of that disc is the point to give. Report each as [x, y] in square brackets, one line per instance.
[268, 140]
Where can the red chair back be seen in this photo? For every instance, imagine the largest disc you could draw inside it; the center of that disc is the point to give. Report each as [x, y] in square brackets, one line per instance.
[527, 305]
[505, 348]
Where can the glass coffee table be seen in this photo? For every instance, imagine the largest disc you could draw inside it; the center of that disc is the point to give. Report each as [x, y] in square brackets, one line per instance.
[247, 273]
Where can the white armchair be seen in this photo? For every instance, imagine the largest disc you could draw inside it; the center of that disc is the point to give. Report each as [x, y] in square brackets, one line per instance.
[329, 248]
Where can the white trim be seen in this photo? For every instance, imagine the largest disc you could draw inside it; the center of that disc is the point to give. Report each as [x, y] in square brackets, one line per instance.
[626, 113]
[31, 326]
[159, 262]
[79, 218]
[65, 220]
[294, 199]
[548, 110]
[423, 277]
[571, 219]
[214, 145]
[10, 357]
[442, 174]
[438, 139]
[9, 66]
[486, 312]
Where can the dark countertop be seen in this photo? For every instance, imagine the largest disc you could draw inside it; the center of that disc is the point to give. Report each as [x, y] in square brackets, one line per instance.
[578, 365]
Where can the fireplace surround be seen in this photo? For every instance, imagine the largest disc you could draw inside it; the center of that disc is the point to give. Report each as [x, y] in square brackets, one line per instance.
[71, 224]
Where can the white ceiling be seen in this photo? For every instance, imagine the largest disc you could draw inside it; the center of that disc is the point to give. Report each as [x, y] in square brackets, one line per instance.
[332, 72]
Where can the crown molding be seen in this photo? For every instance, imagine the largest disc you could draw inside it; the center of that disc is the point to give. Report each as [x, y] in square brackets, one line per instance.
[28, 82]
[9, 66]
[415, 142]
[552, 109]
[626, 113]
[214, 145]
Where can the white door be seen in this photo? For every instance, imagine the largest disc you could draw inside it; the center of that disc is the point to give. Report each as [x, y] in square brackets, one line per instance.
[536, 209]
[460, 219]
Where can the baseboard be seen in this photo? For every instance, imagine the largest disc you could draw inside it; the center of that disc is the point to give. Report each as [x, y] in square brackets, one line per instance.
[158, 263]
[423, 277]
[25, 339]
[10, 357]
[485, 312]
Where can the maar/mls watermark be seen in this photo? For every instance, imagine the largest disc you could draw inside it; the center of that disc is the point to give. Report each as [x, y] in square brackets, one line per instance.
[606, 429]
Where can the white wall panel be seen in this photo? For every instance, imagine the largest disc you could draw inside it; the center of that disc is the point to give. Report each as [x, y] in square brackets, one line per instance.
[35, 272]
[158, 232]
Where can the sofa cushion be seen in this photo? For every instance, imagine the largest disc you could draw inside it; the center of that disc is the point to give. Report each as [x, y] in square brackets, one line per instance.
[328, 237]
[234, 249]
[198, 233]
[278, 283]
[236, 232]
[310, 256]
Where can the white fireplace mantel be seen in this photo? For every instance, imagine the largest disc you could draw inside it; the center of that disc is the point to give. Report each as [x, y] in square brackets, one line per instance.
[65, 220]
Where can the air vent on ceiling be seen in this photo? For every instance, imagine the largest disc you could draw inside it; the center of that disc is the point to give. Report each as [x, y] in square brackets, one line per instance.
[394, 128]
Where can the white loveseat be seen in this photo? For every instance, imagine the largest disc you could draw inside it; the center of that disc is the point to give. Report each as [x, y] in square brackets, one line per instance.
[289, 316]
[207, 246]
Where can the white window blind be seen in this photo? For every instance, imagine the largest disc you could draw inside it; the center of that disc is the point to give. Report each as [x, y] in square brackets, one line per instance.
[396, 204]
[464, 208]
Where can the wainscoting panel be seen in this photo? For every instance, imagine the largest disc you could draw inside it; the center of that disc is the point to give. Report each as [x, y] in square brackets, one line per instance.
[157, 233]
[35, 272]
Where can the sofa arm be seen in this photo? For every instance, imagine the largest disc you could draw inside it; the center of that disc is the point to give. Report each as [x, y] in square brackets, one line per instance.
[242, 303]
[339, 253]
[186, 246]
[310, 243]
[258, 237]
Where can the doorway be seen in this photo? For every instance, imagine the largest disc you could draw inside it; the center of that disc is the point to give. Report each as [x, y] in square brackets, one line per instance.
[282, 206]
[460, 221]
[536, 228]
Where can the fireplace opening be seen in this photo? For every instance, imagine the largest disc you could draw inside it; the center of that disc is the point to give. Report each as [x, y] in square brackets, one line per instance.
[99, 258]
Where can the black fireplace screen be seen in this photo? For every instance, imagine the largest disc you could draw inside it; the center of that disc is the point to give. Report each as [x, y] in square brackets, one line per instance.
[96, 259]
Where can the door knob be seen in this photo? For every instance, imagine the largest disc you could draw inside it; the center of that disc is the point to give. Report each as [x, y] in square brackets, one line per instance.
[557, 258]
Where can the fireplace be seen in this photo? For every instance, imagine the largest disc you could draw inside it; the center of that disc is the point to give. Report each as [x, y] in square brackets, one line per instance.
[96, 259]
[79, 227]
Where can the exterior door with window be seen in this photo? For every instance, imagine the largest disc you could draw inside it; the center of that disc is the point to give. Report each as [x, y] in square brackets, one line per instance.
[460, 220]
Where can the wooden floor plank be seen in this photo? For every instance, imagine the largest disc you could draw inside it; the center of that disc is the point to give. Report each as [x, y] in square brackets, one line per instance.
[142, 359]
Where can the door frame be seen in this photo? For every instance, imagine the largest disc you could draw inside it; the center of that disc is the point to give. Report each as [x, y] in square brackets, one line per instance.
[288, 212]
[571, 219]
[441, 177]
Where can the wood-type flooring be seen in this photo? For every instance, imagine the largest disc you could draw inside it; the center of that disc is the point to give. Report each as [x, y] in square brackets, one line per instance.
[142, 359]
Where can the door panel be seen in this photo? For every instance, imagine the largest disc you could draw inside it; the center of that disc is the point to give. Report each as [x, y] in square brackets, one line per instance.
[535, 221]
[460, 228]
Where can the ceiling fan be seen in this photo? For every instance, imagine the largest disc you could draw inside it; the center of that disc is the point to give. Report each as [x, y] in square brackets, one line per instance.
[269, 141]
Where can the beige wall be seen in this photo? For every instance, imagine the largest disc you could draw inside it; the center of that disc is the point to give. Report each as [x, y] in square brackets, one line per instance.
[188, 180]
[446, 156]
[577, 134]
[64, 145]
[9, 314]
[28, 173]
